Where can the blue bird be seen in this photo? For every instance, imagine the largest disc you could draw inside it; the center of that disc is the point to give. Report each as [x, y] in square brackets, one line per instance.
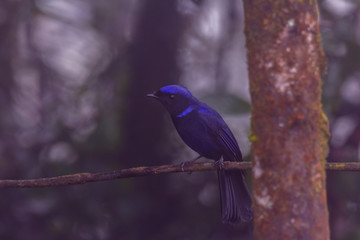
[205, 131]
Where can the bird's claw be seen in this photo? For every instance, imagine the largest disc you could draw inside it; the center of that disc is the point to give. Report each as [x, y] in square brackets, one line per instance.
[183, 164]
[220, 163]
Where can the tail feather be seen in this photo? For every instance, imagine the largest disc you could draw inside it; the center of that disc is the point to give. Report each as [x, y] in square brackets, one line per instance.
[234, 197]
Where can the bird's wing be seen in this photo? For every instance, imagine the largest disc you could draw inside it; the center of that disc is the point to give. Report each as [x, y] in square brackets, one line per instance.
[221, 133]
[228, 141]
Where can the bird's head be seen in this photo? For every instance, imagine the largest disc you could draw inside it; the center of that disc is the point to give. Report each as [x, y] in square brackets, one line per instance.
[174, 98]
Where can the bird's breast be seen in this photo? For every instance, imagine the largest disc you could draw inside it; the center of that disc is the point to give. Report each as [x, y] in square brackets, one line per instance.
[195, 134]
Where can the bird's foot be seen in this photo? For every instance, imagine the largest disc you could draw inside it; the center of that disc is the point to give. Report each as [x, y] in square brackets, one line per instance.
[183, 164]
[220, 163]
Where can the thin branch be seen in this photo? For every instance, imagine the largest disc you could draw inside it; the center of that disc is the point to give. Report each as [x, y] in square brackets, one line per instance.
[343, 166]
[81, 178]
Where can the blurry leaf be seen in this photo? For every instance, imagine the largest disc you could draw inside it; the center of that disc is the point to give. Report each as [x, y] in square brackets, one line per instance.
[227, 103]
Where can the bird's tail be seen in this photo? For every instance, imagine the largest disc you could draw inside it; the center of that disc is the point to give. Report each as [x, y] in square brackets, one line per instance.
[234, 197]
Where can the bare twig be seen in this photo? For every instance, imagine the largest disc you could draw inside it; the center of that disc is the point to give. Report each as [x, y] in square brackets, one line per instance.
[343, 166]
[81, 178]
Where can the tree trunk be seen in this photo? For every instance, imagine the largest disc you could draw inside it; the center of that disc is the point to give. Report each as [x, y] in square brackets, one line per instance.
[153, 64]
[289, 130]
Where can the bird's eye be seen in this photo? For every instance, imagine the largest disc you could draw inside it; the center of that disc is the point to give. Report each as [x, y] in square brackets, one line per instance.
[172, 96]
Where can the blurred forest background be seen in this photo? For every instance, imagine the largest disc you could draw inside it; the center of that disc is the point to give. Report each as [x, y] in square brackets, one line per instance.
[73, 80]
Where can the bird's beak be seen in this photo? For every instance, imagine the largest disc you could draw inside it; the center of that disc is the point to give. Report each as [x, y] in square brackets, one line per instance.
[153, 95]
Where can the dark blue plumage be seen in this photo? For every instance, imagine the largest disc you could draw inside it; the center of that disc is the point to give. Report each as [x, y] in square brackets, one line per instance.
[204, 130]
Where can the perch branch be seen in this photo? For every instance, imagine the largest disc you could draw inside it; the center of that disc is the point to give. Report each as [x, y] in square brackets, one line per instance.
[81, 178]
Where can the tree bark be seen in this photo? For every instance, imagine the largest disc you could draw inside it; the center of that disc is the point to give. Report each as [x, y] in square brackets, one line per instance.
[289, 130]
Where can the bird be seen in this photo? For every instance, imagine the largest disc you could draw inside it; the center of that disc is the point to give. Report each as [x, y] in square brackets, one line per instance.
[205, 131]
